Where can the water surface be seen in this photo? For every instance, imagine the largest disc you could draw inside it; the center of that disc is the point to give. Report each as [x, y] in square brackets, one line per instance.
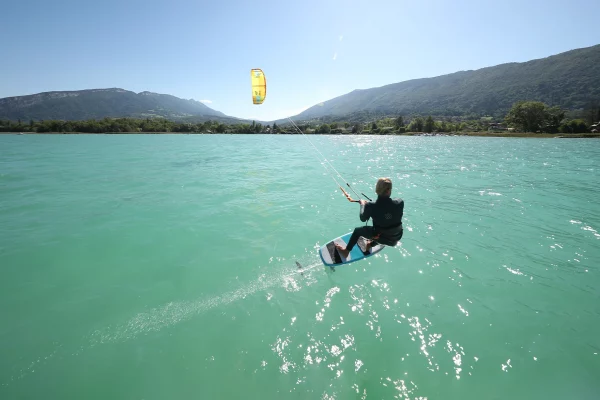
[163, 266]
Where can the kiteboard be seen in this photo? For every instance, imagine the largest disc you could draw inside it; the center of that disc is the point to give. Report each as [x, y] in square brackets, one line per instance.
[332, 258]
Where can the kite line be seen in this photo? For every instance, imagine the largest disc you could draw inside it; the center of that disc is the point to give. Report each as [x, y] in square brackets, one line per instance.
[323, 161]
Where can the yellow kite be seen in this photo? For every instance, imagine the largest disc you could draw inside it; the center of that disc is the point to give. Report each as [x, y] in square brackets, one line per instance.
[259, 85]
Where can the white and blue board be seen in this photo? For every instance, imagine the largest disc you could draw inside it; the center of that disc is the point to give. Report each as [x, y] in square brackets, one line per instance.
[332, 258]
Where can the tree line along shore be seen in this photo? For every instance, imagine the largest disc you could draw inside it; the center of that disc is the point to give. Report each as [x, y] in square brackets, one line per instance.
[525, 119]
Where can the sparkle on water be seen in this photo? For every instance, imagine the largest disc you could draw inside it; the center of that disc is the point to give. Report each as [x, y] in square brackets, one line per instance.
[165, 267]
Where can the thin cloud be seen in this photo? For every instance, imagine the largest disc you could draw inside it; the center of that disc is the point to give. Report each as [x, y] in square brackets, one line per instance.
[205, 101]
[341, 37]
[334, 56]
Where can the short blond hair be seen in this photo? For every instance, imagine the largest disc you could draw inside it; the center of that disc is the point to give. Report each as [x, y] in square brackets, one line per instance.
[383, 185]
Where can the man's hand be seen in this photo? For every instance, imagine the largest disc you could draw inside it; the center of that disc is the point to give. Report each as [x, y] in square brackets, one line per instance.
[362, 202]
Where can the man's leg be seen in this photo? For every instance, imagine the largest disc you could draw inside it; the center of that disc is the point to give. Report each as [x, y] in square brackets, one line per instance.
[365, 231]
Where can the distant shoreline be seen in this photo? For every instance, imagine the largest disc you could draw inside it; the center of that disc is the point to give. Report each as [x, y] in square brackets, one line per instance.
[474, 134]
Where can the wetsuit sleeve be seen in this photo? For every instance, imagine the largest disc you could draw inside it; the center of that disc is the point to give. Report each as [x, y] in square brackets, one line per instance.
[365, 211]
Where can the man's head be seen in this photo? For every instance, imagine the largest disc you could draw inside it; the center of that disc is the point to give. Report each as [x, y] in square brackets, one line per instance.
[384, 187]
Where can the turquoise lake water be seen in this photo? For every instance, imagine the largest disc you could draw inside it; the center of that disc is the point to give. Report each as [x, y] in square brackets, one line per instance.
[163, 267]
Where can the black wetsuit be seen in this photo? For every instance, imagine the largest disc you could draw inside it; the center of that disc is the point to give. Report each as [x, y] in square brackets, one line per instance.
[387, 221]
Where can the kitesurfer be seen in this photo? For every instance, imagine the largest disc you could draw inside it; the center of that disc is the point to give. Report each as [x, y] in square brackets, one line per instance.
[387, 219]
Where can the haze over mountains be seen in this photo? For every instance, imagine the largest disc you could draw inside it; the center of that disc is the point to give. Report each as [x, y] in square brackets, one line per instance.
[101, 103]
[570, 80]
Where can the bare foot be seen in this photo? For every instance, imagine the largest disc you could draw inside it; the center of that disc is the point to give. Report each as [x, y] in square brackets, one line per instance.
[342, 250]
[369, 245]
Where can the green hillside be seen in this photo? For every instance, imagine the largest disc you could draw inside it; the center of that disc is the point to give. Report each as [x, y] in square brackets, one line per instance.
[570, 80]
[102, 103]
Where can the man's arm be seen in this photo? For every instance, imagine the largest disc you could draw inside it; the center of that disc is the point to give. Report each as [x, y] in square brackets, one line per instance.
[365, 210]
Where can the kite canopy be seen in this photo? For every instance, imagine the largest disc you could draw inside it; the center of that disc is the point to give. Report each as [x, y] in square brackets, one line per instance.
[259, 85]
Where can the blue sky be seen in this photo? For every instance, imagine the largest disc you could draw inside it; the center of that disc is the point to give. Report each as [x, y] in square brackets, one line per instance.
[310, 51]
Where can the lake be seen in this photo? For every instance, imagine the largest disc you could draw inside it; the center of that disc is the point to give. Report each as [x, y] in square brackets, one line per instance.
[164, 267]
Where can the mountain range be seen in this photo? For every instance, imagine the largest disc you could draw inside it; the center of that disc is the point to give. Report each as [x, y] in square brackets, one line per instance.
[101, 103]
[570, 80]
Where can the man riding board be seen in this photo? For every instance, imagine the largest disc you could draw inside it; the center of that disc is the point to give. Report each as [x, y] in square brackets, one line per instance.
[387, 219]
